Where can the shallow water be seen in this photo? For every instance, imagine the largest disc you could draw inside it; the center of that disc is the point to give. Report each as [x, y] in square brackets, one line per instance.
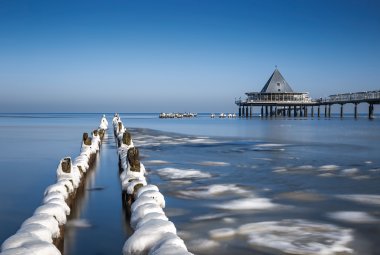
[231, 185]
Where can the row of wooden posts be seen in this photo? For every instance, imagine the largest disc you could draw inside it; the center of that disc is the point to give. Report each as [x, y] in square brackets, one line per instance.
[43, 232]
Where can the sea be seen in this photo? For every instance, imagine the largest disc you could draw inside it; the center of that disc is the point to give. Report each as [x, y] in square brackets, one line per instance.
[232, 186]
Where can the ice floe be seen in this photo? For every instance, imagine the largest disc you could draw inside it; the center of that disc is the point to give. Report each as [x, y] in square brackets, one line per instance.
[297, 237]
[246, 204]
[353, 217]
[213, 191]
[175, 173]
[222, 233]
[362, 198]
[213, 163]
[202, 245]
[328, 167]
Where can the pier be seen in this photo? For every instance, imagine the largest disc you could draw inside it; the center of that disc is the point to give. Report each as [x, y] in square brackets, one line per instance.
[278, 99]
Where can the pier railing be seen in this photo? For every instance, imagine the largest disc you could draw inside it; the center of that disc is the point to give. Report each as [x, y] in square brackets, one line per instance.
[351, 97]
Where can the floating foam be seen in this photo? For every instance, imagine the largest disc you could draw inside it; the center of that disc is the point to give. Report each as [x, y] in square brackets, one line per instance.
[328, 167]
[246, 204]
[298, 237]
[271, 145]
[362, 198]
[353, 217]
[222, 233]
[212, 191]
[174, 173]
[213, 163]
[145, 237]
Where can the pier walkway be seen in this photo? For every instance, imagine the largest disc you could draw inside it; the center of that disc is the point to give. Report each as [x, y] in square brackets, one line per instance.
[278, 105]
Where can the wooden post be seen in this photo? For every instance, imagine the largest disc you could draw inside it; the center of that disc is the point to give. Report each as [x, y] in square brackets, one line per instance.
[262, 111]
[325, 110]
[356, 111]
[312, 111]
[239, 111]
[370, 111]
[341, 110]
[295, 111]
[330, 110]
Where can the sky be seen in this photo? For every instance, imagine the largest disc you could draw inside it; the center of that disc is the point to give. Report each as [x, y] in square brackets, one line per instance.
[180, 55]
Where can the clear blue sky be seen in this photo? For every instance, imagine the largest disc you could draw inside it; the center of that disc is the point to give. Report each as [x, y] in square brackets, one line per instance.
[180, 55]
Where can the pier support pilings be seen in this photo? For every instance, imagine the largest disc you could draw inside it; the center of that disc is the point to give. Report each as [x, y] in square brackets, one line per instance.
[341, 110]
[370, 111]
[356, 110]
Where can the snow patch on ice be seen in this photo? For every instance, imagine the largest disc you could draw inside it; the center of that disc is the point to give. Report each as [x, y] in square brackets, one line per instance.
[222, 233]
[328, 167]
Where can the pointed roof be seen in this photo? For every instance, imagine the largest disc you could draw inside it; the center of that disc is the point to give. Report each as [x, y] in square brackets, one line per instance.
[276, 84]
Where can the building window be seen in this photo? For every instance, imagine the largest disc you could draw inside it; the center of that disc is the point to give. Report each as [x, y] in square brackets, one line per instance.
[278, 84]
[279, 90]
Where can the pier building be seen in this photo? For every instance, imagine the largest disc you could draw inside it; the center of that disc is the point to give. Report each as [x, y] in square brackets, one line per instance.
[277, 98]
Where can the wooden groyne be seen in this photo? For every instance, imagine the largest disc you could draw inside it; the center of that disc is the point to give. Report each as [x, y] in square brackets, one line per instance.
[43, 233]
[153, 232]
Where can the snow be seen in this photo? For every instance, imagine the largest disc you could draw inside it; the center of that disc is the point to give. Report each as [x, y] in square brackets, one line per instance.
[130, 186]
[55, 210]
[174, 173]
[43, 233]
[169, 244]
[145, 188]
[103, 123]
[246, 204]
[328, 167]
[57, 188]
[140, 212]
[46, 220]
[353, 217]
[151, 216]
[297, 237]
[156, 195]
[53, 195]
[145, 237]
[362, 198]
[221, 233]
[18, 240]
[212, 191]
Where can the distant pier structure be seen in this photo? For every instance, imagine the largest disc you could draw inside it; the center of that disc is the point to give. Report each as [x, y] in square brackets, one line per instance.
[277, 98]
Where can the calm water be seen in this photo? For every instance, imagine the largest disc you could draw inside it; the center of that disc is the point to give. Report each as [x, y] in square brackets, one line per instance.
[232, 186]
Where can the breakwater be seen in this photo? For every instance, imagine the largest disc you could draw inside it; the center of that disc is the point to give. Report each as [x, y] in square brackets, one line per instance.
[43, 232]
[153, 232]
